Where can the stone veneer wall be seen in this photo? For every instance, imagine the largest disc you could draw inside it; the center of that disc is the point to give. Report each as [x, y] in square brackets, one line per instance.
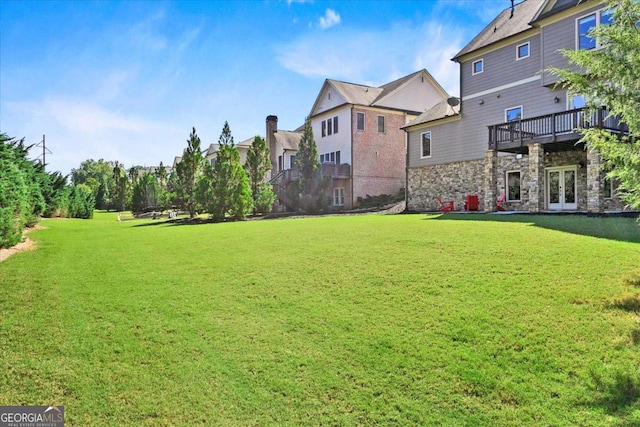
[451, 181]
[454, 181]
[510, 163]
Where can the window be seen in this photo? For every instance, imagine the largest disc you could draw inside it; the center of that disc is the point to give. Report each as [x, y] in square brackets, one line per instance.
[522, 51]
[513, 114]
[338, 197]
[324, 128]
[381, 124]
[583, 25]
[359, 121]
[426, 145]
[513, 186]
[292, 160]
[279, 163]
[333, 157]
[477, 67]
[335, 124]
[608, 188]
[329, 127]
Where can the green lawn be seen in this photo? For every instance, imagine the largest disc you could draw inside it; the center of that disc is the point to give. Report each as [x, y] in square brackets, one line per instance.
[459, 320]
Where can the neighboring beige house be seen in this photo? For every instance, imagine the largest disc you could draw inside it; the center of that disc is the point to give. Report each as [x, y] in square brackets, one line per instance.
[357, 130]
[243, 147]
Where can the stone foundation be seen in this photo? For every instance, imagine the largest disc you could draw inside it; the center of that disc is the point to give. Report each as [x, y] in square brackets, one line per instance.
[487, 179]
[452, 181]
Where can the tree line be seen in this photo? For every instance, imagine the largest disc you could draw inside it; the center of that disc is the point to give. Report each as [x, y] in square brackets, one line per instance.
[223, 187]
[27, 192]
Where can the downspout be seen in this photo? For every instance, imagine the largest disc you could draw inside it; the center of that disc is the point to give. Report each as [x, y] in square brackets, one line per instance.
[406, 170]
[352, 156]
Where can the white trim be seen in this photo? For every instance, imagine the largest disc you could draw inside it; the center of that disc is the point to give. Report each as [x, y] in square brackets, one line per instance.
[506, 119]
[430, 145]
[338, 190]
[528, 44]
[473, 73]
[506, 186]
[577, 28]
[503, 87]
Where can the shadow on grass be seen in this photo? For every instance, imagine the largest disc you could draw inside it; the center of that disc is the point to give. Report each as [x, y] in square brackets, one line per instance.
[630, 303]
[618, 395]
[182, 221]
[624, 229]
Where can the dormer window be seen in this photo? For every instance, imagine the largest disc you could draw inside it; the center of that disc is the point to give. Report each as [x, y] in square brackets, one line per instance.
[477, 67]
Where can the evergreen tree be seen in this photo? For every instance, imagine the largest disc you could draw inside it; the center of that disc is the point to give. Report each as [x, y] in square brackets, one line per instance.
[121, 188]
[188, 173]
[224, 188]
[311, 186]
[257, 166]
[144, 194]
[610, 76]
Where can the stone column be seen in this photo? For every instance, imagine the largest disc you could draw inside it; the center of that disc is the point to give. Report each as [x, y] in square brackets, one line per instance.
[490, 180]
[595, 182]
[536, 178]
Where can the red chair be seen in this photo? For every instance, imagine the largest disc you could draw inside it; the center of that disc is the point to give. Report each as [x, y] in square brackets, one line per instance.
[446, 206]
[471, 203]
[501, 201]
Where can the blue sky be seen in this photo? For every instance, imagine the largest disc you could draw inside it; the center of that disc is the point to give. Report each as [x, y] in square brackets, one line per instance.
[127, 80]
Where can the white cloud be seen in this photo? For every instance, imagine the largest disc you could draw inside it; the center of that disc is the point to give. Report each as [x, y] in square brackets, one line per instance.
[330, 18]
[370, 57]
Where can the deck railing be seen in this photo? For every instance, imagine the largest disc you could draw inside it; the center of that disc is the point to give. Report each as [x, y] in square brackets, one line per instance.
[327, 169]
[549, 127]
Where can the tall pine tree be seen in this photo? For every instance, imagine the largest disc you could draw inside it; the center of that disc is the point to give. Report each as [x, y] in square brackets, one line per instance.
[311, 186]
[188, 172]
[224, 188]
[257, 166]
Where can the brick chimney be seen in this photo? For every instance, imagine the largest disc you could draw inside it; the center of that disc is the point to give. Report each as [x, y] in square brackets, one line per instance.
[272, 127]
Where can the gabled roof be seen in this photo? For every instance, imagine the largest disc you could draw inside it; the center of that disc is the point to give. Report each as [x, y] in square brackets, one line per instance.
[504, 26]
[287, 139]
[215, 147]
[439, 111]
[552, 7]
[370, 96]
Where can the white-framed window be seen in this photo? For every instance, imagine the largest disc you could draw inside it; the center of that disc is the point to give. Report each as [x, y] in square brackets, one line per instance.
[324, 128]
[292, 160]
[333, 157]
[335, 124]
[338, 196]
[359, 121]
[513, 114]
[477, 67]
[425, 145]
[513, 179]
[280, 165]
[380, 124]
[523, 51]
[329, 127]
[584, 24]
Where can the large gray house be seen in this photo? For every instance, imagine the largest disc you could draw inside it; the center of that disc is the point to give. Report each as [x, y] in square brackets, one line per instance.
[512, 134]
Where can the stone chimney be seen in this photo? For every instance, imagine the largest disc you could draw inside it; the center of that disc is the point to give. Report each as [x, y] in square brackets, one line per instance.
[272, 127]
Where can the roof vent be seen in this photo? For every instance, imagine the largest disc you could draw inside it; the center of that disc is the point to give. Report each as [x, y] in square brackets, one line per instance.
[511, 16]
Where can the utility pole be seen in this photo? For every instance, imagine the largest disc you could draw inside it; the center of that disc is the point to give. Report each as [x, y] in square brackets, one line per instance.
[45, 150]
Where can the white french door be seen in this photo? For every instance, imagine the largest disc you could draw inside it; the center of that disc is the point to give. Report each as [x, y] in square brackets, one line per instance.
[561, 188]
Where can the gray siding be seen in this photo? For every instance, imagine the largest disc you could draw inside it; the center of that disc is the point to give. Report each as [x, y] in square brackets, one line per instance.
[501, 67]
[468, 137]
[556, 36]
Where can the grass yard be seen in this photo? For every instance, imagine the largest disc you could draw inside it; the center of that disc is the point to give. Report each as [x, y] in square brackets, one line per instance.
[456, 320]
